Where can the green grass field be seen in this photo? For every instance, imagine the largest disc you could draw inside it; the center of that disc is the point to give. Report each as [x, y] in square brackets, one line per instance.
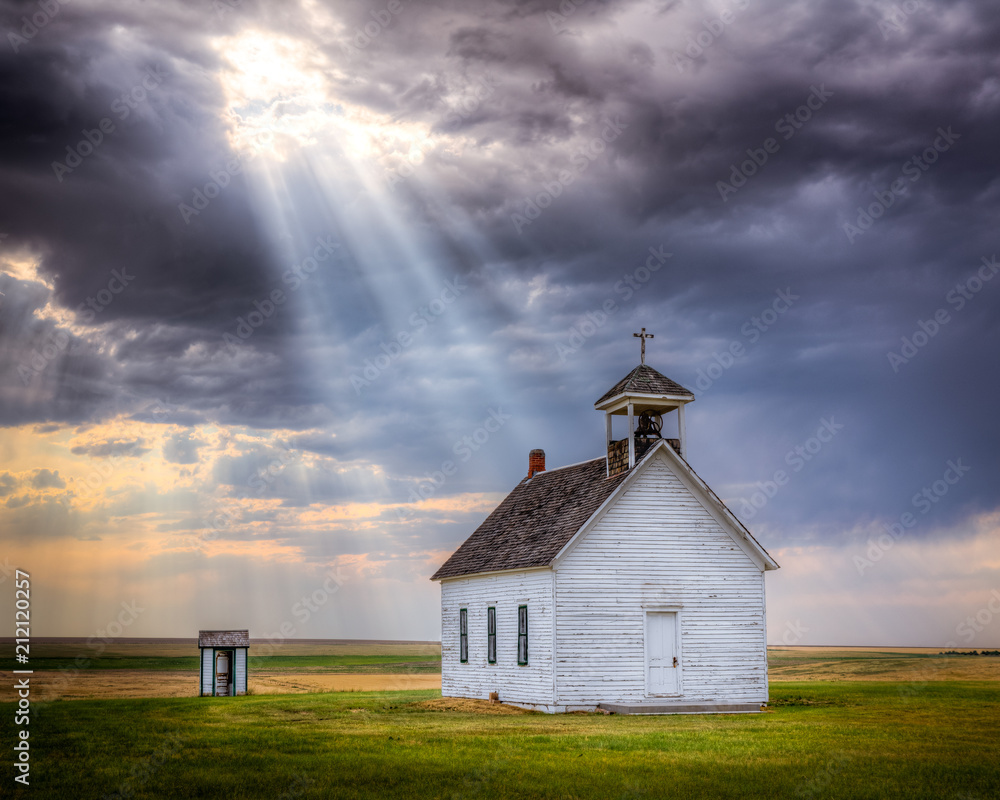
[935, 739]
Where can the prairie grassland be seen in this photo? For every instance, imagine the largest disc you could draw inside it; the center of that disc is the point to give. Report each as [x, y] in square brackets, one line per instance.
[168, 668]
[877, 664]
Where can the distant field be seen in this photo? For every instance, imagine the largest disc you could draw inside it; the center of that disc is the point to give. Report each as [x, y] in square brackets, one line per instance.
[183, 653]
[877, 664]
[70, 669]
[819, 740]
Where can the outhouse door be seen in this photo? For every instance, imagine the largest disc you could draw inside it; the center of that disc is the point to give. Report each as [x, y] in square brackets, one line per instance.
[662, 666]
[223, 673]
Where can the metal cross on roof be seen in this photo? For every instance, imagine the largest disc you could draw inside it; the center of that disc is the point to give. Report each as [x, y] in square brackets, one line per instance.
[642, 338]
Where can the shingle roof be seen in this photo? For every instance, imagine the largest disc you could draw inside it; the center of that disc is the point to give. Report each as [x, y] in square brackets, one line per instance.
[644, 380]
[223, 638]
[535, 521]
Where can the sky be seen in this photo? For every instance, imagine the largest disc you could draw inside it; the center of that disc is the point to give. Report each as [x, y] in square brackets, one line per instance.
[290, 290]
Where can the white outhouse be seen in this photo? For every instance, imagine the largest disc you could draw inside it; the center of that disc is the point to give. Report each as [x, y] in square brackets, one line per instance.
[223, 662]
[622, 582]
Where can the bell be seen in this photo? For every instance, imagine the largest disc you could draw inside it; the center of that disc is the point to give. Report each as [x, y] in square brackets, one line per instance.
[649, 425]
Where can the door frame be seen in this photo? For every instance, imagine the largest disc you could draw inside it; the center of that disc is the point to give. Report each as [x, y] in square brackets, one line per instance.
[676, 610]
[215, 671]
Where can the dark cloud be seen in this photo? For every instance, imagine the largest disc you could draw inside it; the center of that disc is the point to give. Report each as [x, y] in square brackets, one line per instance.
[182, 449]
[8, 483]
[47, 479]
[514, 101]
[112, 448]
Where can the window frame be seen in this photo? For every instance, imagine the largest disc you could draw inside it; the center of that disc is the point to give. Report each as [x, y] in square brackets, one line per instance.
[463, 635]
[522, 636]
[491, 634]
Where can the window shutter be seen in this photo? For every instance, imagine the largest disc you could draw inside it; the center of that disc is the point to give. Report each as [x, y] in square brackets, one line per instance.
[463, 635]
[522, 634]
[491, 635]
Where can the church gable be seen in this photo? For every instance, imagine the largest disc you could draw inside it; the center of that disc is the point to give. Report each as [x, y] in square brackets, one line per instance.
[662, 512]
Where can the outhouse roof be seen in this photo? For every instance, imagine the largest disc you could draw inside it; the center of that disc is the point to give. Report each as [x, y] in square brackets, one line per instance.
[223, 638]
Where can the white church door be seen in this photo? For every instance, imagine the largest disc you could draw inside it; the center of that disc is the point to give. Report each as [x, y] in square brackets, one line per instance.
[662, 666]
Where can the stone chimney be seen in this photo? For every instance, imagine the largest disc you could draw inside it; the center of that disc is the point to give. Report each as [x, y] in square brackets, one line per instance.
[536, 462]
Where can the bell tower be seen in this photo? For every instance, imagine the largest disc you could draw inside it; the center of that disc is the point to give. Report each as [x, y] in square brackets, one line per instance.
[643, 397]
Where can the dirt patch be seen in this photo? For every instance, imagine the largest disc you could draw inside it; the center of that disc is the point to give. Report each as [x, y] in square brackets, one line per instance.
[470, 706]
[285, 682]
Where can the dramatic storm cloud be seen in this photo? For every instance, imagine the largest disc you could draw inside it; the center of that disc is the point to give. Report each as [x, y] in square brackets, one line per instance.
[267, 269]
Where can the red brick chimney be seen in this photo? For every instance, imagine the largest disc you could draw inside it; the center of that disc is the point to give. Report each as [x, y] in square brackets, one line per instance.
[536, 462]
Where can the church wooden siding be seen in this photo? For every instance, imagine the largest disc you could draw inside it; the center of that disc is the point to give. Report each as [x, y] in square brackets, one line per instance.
[529, 684]
[658, 546]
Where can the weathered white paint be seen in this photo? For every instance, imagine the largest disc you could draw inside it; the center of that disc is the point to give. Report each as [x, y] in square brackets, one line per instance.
[527, 684]
[207, 667]
[240, 673]
[662, 547]
[659, 545]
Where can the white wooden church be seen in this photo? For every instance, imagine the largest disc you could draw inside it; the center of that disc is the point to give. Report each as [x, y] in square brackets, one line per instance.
[622, 582]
